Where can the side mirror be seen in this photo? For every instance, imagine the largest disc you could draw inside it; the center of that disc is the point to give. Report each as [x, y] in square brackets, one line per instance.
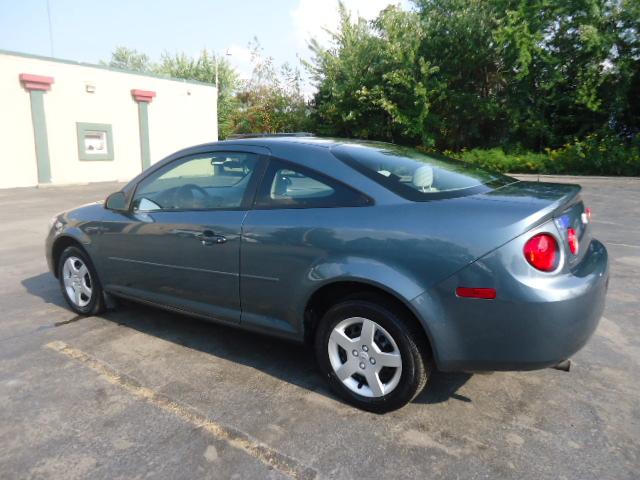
[116, 201]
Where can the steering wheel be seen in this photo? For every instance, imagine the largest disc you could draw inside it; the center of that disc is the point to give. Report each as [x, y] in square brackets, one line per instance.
[185, 195]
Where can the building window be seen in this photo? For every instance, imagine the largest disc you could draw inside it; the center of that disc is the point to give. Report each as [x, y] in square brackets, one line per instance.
[95, 141]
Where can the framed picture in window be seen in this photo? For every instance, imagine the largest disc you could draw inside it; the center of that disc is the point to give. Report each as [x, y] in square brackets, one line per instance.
[95, 141]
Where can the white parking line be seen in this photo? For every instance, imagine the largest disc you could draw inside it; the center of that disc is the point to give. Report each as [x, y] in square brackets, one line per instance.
[623, 245]
[235, 438]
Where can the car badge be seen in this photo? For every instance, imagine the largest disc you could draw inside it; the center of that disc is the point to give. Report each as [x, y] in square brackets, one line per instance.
[564, 222]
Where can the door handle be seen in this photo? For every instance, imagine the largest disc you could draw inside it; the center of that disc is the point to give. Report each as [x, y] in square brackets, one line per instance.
[209, 237]
[206, 237]
[96, 230]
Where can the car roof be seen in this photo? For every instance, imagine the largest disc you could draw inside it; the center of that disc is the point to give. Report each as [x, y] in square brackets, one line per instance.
[323, 144]
[320, 142]
[266, 141]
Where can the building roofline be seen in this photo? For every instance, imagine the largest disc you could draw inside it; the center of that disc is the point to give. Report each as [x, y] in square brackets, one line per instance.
[102, 67]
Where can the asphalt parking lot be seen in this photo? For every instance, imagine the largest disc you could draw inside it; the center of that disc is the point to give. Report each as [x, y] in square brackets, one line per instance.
[139, 392]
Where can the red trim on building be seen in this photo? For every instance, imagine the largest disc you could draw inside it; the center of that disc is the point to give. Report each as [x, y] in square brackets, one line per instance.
[35, 82]
[143, 95]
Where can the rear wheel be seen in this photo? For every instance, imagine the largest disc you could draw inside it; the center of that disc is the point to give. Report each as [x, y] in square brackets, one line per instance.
[79, 282]
[373, 357]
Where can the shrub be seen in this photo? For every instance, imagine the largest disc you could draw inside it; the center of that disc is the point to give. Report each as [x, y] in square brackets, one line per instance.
[596, 154]
[499, 160]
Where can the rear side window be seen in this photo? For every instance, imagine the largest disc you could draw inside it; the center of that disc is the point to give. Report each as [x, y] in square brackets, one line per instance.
[415, 175]
[290, 186]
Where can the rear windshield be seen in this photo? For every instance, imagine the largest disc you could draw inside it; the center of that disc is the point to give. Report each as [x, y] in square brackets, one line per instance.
[415, 175]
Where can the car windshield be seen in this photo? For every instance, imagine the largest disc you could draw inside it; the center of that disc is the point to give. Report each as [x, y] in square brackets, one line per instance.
[416, 175]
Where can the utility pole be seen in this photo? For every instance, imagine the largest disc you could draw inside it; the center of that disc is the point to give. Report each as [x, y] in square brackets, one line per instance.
[50, 29]
[217, 56]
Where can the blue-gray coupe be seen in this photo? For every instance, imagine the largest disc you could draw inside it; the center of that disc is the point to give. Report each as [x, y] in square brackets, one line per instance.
[387, 262]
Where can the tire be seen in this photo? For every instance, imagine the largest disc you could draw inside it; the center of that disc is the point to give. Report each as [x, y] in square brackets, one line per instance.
[79, 282]
[401, 374]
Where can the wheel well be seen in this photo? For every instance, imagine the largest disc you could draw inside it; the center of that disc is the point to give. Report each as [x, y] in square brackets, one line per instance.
[327, 296]
[59, 246]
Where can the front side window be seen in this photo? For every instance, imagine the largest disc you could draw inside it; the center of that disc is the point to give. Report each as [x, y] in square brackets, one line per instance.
[289, 186]
[415, 175]
[210, 181]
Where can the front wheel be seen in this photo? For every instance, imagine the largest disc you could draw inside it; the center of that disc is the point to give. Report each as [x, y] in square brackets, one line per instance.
[79, 282]
[373, 357]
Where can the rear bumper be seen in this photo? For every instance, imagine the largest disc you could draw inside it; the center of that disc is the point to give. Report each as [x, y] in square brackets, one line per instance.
[536, 321]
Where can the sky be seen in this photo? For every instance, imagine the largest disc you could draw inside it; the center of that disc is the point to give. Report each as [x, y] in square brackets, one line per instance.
[89, 31]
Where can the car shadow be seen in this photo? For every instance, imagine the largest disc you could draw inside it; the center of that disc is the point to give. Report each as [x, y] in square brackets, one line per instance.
[45, 286]
[442, 386]
[281, 359]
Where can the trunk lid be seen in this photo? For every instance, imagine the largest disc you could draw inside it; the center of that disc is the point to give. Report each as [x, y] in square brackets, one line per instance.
[546, 201]
[448, 234]
[541, 199]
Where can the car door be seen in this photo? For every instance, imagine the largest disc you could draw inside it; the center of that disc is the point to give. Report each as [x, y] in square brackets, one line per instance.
[179, 244]
[300, 219]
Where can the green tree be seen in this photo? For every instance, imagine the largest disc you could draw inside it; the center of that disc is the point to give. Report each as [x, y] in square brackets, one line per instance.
[480, 73]
[459, 43]
[271, 100]
[563, 63]
[623, 90]
[372, 82]
[129, 59]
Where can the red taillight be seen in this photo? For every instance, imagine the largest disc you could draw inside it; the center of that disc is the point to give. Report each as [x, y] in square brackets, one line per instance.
[588, 212]
[541, 252]
[573, 241]
[486, 293]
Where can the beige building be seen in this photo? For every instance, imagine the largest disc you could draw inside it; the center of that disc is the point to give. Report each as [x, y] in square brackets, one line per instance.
[63, 122]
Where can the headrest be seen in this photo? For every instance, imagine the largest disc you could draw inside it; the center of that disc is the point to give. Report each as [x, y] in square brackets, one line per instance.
[423, 177]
